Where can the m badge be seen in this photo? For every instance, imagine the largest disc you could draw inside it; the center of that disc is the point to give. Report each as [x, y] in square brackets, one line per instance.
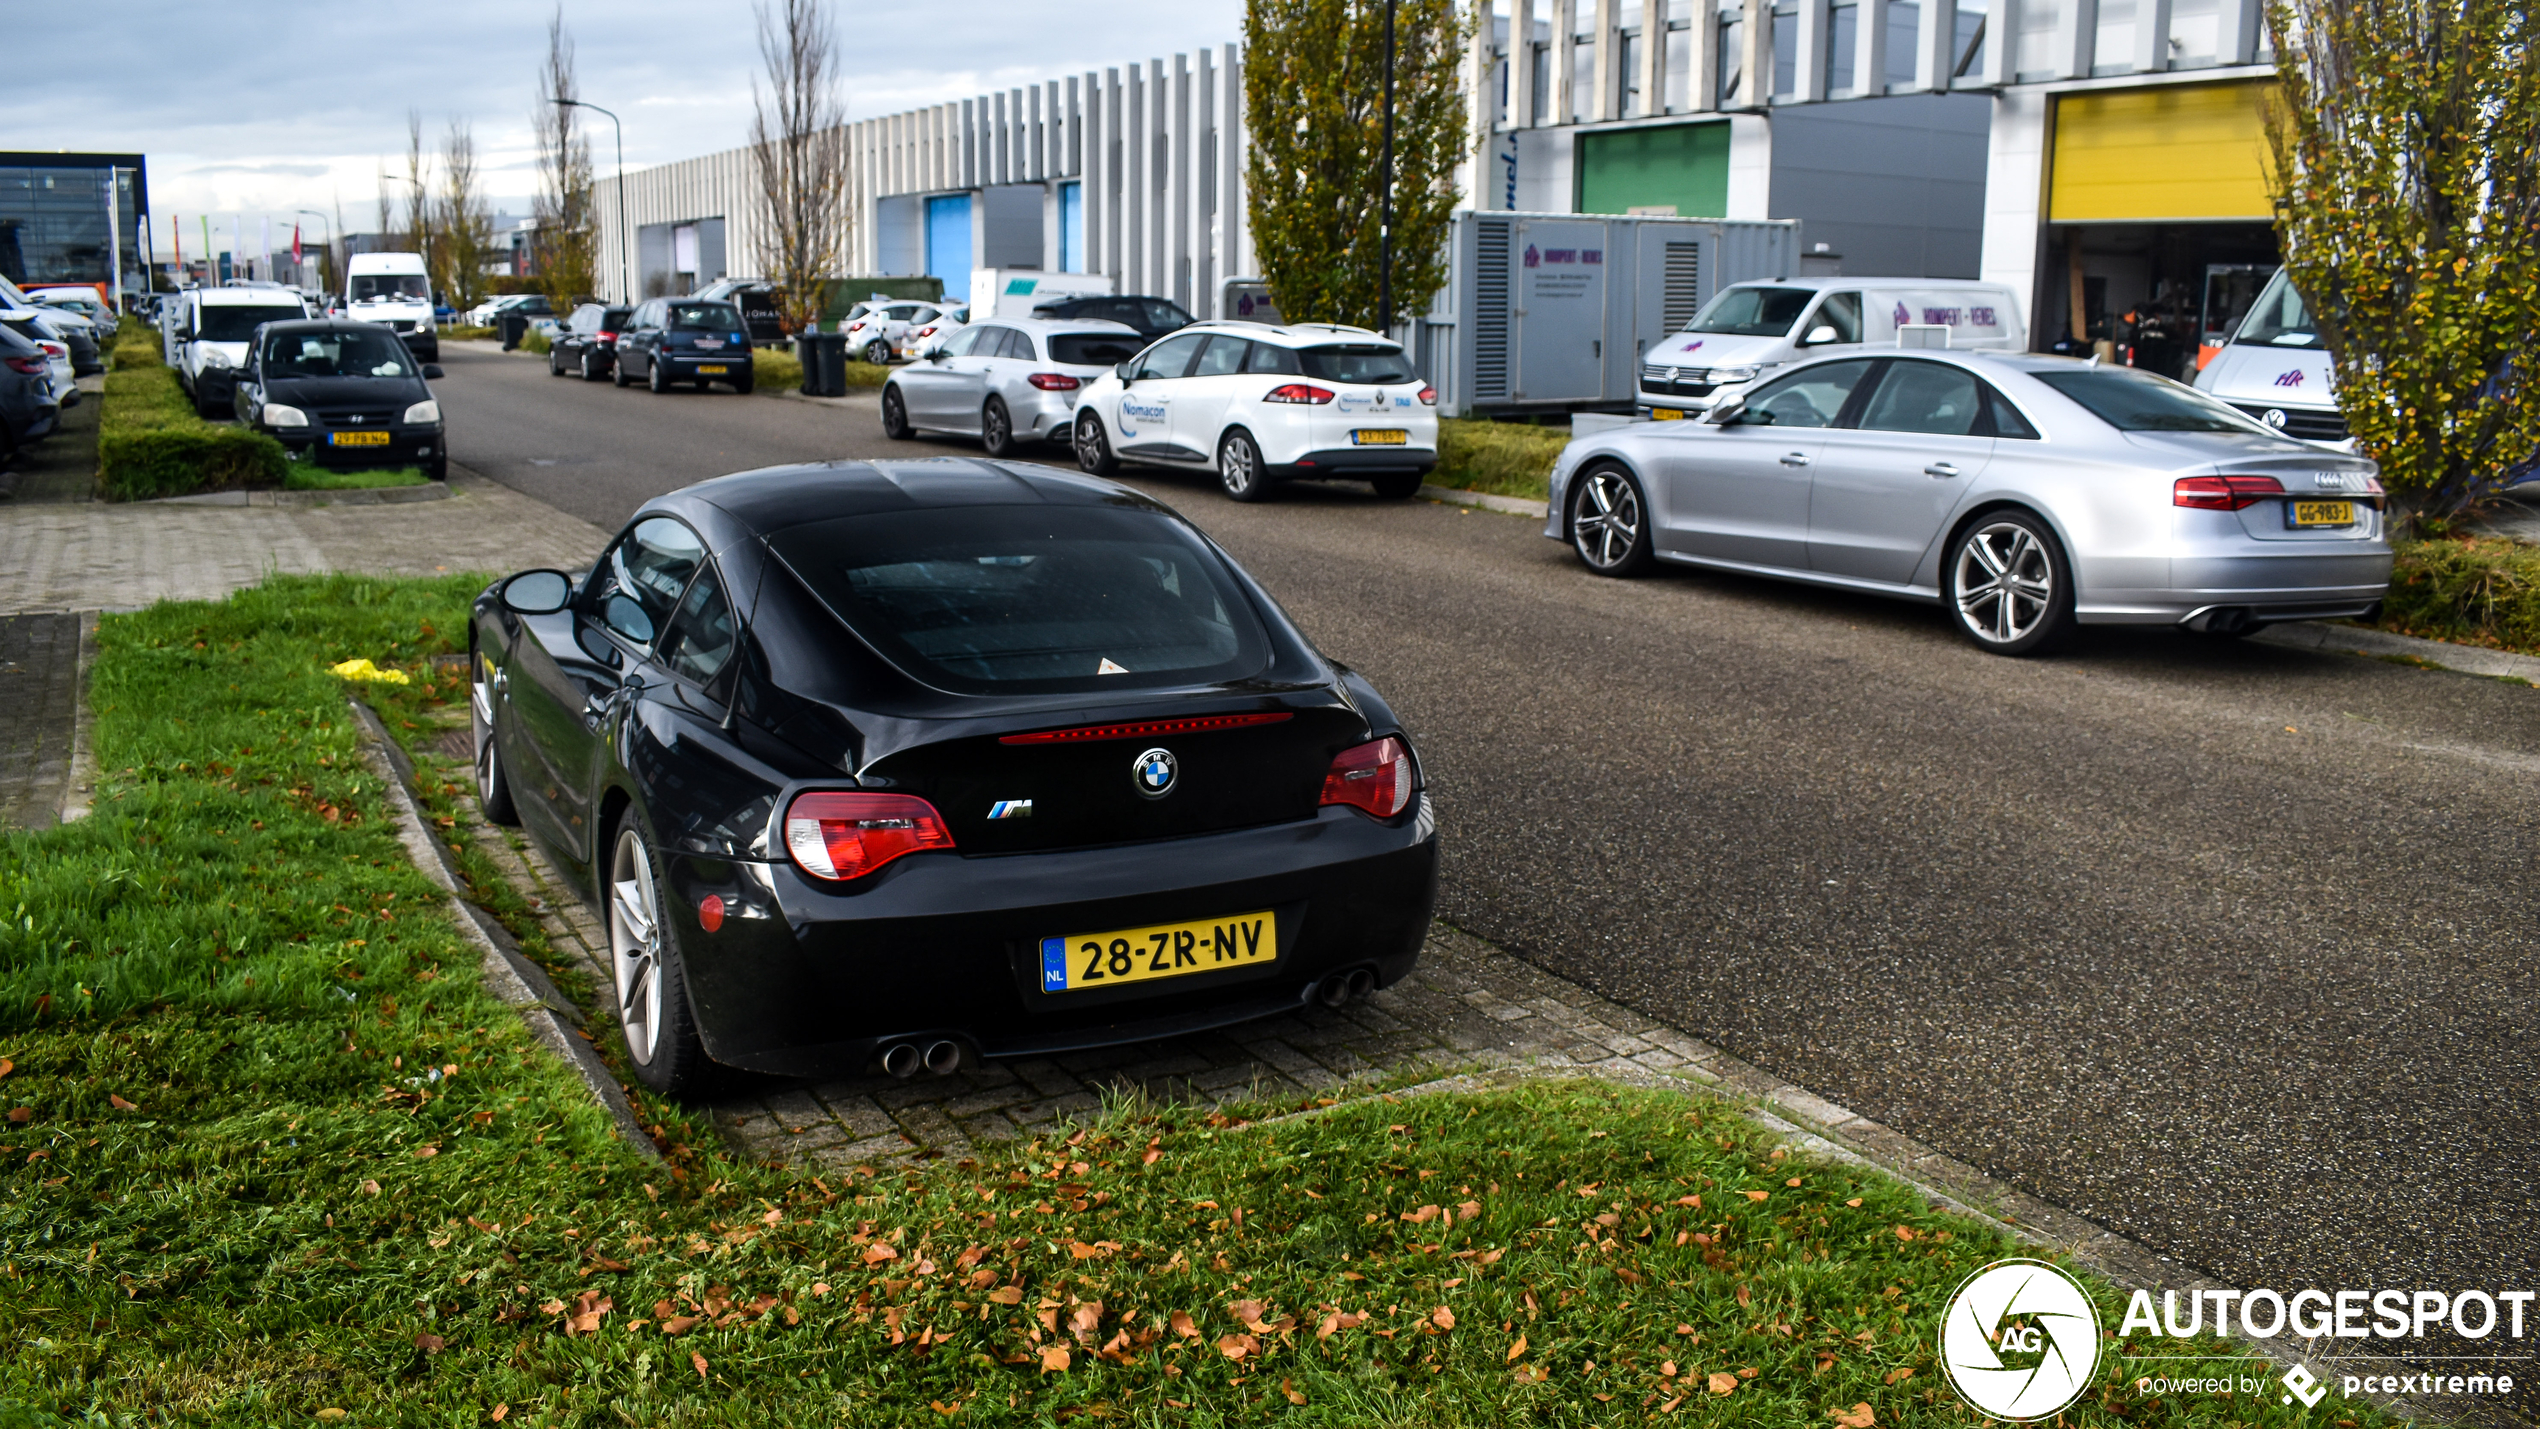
[1010, 809]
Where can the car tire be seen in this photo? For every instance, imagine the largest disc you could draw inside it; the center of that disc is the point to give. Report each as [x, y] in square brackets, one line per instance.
[1609, 521]
[617, 370]
[996, 428]
[1398, 485]
[878, 352]
[647, 976]
[555, 363]
[895, 416]
[493, 780]
[1240, 471]
[1093, 448]
[654, 379]
[439, 470]
[2007, 584]
[589, 373]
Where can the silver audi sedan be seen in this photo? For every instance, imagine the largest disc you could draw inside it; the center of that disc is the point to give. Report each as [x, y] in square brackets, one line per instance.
[2021, 493]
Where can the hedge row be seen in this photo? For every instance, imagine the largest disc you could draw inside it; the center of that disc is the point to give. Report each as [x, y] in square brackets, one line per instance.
[151, 442]
[2469, 590]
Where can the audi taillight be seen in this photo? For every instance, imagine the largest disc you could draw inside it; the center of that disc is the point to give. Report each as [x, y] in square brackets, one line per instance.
[1053, 381]
[1374, 777]
[2223, 493]
[1299, 394]
[1428, 396]
[838, 836]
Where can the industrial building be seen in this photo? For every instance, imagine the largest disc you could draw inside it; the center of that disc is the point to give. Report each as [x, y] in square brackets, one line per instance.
[75, 218]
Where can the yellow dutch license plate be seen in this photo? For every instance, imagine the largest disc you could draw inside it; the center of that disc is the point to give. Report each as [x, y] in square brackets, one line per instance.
[1665, 414]
[716, 370]
[1126, 955]
[2323, 513]
[357, 439]
[1380, 437]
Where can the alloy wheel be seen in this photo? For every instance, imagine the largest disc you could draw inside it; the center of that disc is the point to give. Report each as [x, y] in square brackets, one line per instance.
[1607, 525]
[2004, 583]
[996, 429]
[481, 703]
[635, 944]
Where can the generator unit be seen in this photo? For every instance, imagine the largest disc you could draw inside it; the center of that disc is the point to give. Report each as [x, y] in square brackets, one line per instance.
[1552, 311]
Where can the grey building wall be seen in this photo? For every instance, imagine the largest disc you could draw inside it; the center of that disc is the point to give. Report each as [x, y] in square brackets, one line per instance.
[1895, 185]
[1005, 229]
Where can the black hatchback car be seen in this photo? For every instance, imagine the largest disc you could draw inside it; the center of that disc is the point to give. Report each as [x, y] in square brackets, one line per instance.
[1152, 317]
[342, 394]
[904, 763]
[672, 340]
[586, 343]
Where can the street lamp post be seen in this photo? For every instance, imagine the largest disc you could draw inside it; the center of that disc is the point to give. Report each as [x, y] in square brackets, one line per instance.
[626, 277]
[330, 241]
[1384, 221]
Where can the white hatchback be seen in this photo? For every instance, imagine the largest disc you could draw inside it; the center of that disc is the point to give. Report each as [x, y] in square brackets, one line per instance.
[1257, 404]
[1007, 382]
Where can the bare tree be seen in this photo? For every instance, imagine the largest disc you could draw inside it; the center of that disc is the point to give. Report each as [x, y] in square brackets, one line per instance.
[466, 227]
[418, 193]
[799, 135]
[567, 230]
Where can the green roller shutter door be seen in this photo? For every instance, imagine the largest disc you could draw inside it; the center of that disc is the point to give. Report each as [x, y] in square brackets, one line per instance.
[1683, 165]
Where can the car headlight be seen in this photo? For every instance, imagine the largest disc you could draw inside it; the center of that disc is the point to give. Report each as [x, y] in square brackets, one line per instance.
[214, 357]
[278, 415]
[1726, 375]
[423, 413]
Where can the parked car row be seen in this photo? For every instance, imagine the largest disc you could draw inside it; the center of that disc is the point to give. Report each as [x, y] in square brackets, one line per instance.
[660, 342]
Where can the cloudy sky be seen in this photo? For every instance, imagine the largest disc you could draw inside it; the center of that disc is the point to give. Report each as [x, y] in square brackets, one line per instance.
[260, 109]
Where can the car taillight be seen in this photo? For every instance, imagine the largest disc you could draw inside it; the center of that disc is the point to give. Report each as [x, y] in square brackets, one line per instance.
[1428, 396]
[1374, 777]
[55, 349]
[31, 366]
[1299, 394]
[2223, 493]
[1053, 381]
[926, 332]
[841, 836]
[606, 336]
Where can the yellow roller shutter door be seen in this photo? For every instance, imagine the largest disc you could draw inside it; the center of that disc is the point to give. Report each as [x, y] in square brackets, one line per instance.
[2166, 152]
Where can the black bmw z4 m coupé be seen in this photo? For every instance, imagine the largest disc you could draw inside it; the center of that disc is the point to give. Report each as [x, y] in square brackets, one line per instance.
[908, 763]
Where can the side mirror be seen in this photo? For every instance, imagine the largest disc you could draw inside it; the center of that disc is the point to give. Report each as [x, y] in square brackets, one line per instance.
[623, 615]
[1126, 371]
[537, 592]
[1818, 335]
[1728, 414]
[936, 355]
[432, 372]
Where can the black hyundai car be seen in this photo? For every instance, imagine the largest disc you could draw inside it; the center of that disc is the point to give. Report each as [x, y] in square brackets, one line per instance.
[342, 394]
[905, 763]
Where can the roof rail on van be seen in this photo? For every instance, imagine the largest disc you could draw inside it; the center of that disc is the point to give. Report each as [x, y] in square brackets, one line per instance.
[1922, 335]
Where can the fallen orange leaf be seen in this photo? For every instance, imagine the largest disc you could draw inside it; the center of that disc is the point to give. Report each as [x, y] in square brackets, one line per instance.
[699, 1361]
[426, 1153]
[1861, 1417]
[501, 1413]
[878, 1252]
[1184, 1325]
[1288, 1388]
[1757, 1195]
[1053, 1357]
[1007, 1295]
[679, 1324]
[1720, 1382]
[120, 1104]
[1443, 1318]
[1532, 1374]
[1517, 1351]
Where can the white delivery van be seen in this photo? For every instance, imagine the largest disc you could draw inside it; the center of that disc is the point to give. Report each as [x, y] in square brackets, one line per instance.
[207, 339]
[1748, 329]
[393, 290]
[2276, 369]
[1014, 292]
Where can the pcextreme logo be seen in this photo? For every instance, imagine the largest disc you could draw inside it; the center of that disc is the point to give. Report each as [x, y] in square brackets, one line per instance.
[2019, 1340]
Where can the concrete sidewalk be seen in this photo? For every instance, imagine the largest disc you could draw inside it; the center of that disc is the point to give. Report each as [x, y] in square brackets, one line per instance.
[98, 555]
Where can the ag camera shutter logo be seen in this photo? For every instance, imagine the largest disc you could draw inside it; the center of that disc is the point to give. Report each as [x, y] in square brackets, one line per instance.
[2019, 1340]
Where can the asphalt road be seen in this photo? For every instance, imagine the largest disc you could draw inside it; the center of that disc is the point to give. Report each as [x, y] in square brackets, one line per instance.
[2226, 947]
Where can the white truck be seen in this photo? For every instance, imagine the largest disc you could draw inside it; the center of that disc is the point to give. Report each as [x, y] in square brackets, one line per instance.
[2276, 369]
[394, 290]
[1749, 329]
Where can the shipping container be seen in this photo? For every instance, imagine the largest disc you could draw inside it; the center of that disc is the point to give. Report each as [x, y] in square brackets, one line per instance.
[1550, 312]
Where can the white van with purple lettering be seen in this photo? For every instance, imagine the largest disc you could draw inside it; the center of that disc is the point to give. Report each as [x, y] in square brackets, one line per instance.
[1748, 329]
[2276, 369]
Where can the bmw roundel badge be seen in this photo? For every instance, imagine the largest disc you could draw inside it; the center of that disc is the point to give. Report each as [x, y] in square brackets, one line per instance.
[1154, 772]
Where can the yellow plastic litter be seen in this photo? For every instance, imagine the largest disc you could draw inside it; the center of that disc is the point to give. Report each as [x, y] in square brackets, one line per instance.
[364, 670]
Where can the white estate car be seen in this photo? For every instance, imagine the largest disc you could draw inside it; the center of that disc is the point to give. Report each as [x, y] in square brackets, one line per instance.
[878, 333]
[1257, 404]
[1007, 382]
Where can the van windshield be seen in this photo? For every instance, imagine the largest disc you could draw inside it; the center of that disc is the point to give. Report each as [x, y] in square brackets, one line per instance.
[237, 322]
[1752, 312]
[2280, 318]
[372, 287]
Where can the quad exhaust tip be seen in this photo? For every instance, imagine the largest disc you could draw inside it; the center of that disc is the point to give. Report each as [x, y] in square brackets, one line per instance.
[941, 1057]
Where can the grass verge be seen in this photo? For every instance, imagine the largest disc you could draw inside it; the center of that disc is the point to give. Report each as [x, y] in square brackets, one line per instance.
[2470, 590]
[281, 1155]
[1503, 458]
[152, 442]
[305, 477]
[778, 371]
[462, 332]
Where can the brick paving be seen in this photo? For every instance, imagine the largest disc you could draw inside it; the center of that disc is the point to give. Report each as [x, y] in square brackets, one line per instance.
[39, 710]
[1467, 1007]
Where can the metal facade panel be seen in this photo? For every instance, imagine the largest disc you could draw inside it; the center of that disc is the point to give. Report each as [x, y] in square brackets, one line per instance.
[2164, 152]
